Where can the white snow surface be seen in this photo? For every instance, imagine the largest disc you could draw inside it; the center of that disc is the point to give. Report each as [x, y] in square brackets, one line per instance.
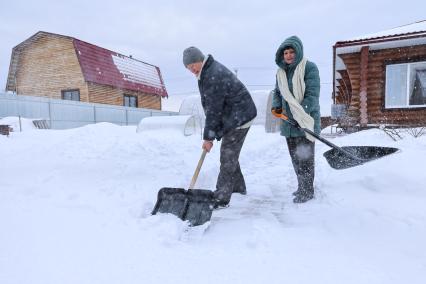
[75, 208]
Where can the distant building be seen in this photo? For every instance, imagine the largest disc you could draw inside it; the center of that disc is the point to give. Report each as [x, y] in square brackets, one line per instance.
[381, 78]
[63, 67]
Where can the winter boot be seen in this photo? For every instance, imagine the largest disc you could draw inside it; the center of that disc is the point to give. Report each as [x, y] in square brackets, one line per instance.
[219, 204]
[303, 197]
[243, 192]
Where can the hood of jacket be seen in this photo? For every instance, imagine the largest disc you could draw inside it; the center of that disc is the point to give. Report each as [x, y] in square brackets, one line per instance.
[295, 43]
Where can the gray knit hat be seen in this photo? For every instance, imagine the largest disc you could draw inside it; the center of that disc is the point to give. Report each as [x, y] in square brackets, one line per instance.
[192, 55]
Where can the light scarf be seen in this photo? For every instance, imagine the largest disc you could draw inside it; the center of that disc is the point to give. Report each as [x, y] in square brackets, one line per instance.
[294, 99]
[202, 67]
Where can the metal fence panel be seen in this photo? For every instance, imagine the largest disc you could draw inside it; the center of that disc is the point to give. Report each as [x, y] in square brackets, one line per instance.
[14, 106]
[111, 114]
[134, 117]
[9, 107]
[63, 114]
[71, 111]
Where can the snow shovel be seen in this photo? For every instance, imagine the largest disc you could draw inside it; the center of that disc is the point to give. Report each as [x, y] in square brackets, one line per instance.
[343, 157]
[193, 205]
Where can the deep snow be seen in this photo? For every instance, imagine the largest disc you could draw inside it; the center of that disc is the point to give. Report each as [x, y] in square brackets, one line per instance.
[75, 208]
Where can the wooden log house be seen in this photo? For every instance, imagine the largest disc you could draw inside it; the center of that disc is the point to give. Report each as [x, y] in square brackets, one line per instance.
[62, 67]
[380, 79]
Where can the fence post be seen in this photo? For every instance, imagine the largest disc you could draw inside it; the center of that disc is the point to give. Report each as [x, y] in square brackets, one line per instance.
[94, 114]
[50, 113]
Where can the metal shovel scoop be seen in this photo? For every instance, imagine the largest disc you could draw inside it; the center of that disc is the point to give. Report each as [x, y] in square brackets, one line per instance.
[346, 156]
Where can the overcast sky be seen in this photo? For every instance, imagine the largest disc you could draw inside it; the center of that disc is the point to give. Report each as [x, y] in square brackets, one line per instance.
[243, 35]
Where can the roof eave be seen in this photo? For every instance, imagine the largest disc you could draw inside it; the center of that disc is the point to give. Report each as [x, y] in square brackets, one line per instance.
[368, 41]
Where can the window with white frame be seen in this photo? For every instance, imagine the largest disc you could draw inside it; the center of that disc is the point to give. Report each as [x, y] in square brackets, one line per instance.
[405, 85]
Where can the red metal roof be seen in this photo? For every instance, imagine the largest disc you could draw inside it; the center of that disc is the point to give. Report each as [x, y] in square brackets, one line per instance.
[102, 66]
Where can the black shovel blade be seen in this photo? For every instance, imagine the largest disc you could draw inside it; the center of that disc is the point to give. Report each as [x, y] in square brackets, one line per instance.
[339, 160]
[195, 205]
[171, 200]
[200, 206]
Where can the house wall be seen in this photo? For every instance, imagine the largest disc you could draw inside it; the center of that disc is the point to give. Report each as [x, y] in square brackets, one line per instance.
[376, 73]
[109, 95]
[48, 65]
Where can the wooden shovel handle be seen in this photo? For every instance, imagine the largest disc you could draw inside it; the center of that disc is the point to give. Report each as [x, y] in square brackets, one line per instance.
[197, 170]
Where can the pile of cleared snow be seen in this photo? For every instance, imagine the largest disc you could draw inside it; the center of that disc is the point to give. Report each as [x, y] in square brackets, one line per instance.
[75, 208]
[13, 121]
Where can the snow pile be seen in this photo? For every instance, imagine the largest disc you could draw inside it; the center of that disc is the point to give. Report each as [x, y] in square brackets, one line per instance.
[75, 208]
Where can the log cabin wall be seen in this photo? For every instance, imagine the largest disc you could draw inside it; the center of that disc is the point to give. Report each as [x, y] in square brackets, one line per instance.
[352, 62]
[344, 88]
[104, 94]
[376, 74]
[49, 65]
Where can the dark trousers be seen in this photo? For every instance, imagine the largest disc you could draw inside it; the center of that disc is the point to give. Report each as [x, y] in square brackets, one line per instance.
[302, 153]
[230, 178]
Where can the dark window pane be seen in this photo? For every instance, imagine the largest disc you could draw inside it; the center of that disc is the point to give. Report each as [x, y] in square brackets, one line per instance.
[71, 95]
[418, 95]
[75, 96]
[130, 101]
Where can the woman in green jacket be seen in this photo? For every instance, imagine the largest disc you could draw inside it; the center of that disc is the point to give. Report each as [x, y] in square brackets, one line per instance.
[297, 95]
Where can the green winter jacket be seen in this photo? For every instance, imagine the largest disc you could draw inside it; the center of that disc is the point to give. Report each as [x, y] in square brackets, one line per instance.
[310, 103]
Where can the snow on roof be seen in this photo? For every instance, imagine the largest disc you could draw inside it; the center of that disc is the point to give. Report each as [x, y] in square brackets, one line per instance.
[417, 27]
[102, 66]
[408, 35]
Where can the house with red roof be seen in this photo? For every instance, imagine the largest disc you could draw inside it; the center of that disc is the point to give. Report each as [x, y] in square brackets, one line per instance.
[62, 67]
[380, 78]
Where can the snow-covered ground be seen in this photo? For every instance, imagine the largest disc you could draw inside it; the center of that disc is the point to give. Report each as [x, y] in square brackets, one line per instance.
[75, 208]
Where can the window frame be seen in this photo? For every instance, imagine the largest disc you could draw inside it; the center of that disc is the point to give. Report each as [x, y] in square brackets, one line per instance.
[408, 63]
[130, 96]
[70, 90]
